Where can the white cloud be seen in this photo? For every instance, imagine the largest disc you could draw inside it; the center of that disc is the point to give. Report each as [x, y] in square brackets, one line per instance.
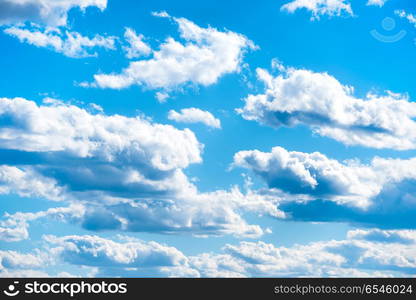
[136, 47]
[19, 265]
[349, 183]
[205, 56]
[127, 173]
[71, 44]
[160, 14]
[161, 97]
[342, 258]
[379, 3]
[13, 232]
[194, 115]
[27, 183]
[319, 8]
[129, 257]
[15, 227]
[320, 101]
[49, 12]
[96, 251]
[408, 16]
[16, 260]
[384, 236]
[360, 255]
[108, 138]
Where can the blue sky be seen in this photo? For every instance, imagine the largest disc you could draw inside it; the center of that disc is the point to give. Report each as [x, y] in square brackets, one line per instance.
[174, 139]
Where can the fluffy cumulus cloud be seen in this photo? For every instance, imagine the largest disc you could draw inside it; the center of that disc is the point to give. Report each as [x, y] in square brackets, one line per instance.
[202, 58]
[330, 109]
[131, 257]
[384, 188]
[359, 255]
[125, 173]
[48, 12]
[136, 46]
[411, 18]
[384, 236]
[379, 3]
[320, 8]
[16, 264]
[194, 115]
[71, 44]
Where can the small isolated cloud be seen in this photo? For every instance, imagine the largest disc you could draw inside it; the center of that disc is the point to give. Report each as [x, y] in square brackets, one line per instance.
[47, 12]
[202, 58]
[71, 44]
[320, 8]
[194, 115]
[13, 259]
[379, 3]
[320, 101]
[136, 46]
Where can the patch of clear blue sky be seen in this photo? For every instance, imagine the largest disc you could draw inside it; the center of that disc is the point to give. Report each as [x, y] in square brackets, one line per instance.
[342, 47]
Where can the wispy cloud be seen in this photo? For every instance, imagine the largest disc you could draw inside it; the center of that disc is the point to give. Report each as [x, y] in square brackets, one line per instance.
[71, 44]
[205, 55]
[194, 115]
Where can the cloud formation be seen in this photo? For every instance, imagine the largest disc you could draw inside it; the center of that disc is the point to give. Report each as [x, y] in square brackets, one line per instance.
[378, 3]
[352, 257]
[202, 58]
[384, 236]
[71, 44]
[359, 255]
[316, 175]
[15, 227]
[320, 8]
[194, 115]
[330, 109]
[126, 173]
[48, 12]
[95, 251]
[411, 18]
